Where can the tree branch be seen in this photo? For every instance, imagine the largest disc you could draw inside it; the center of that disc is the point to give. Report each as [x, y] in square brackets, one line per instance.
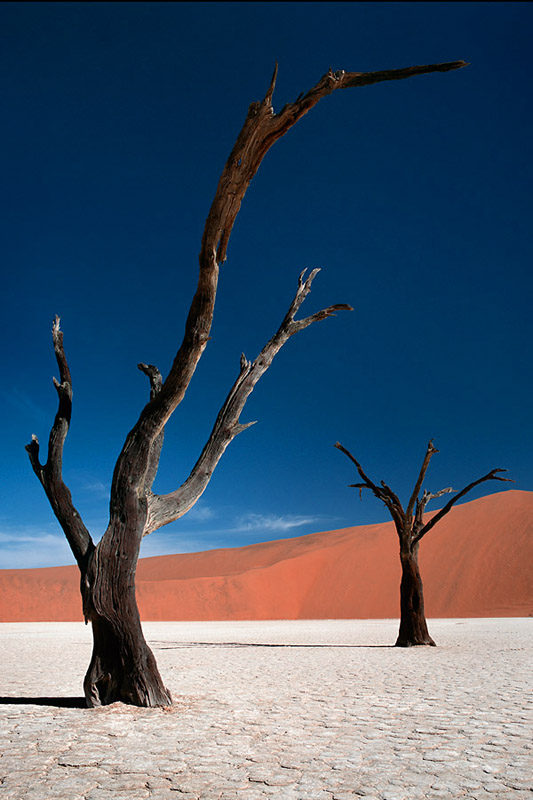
[421, 504]
[394, 497]
[383, 493]
[156, 382]
[167, 508]
[50, 474]
[366, 480]
[412, 529]
[431, 450]
[490, 476]
[261, 129]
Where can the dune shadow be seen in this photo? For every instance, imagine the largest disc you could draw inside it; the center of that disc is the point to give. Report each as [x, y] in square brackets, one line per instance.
[179, 645]
[58, 702]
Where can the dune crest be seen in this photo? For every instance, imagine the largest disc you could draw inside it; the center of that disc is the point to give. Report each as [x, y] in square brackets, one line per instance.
[475, 563]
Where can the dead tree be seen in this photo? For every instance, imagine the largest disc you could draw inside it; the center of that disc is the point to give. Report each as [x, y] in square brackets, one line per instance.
[411, 528]
[122, 666]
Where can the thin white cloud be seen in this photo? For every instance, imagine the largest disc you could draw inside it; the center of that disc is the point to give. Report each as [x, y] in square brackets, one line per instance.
[29, 546]
[262, 525]
[271, 522]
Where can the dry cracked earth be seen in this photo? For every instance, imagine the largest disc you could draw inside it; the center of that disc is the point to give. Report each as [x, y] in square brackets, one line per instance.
[304, 710]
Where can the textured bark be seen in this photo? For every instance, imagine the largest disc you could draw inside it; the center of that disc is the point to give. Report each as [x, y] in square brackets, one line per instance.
[411, 528]
[413, 625]
[122, 666]
[50, 474]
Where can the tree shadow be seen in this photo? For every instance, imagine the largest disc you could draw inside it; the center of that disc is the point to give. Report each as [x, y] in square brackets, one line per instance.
[179, 645]
[58, 702]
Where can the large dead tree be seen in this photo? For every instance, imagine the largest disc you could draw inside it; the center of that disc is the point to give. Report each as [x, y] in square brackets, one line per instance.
[411, 528]
[122, 665]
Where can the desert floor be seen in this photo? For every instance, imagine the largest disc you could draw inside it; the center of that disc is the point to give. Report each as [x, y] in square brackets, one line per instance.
[301, 710]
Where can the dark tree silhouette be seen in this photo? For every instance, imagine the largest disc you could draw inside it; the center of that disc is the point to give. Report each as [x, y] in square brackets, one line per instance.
[411, 528]
[122, 666]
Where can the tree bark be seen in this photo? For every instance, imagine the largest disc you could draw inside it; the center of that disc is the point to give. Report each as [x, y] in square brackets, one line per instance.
[123, 667]
[413, 626]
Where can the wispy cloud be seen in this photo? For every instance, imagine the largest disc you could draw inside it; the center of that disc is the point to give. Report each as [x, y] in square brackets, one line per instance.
[33, 546]
[271, 522]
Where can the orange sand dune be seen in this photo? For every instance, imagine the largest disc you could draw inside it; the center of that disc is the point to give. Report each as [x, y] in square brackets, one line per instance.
[475, 563]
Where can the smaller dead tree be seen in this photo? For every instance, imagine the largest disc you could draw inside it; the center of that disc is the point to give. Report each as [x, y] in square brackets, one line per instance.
[411, 528]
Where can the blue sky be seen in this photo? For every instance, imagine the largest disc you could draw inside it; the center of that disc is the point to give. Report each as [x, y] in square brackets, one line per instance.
[414, 197]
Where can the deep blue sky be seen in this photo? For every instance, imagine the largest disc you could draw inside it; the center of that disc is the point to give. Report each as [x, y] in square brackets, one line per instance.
[414, 198]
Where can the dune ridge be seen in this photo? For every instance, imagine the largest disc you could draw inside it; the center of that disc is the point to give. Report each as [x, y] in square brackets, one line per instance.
[475, 563]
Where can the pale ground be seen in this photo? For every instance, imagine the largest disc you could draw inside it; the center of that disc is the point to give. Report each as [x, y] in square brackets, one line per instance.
[291, 710]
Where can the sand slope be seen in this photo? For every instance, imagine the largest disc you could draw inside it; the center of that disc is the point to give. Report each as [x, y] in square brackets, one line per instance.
[476, 562]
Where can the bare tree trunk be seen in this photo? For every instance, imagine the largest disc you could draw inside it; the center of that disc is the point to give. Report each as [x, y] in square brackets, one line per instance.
[123, 667]
[413, 625]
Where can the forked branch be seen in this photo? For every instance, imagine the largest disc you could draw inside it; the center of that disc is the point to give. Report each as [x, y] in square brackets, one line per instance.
[167, 508]
[411, 529]
[383, 492]
[490, 476]
[421, 504]
[431, 450]
[50, 474]
[156, 382]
